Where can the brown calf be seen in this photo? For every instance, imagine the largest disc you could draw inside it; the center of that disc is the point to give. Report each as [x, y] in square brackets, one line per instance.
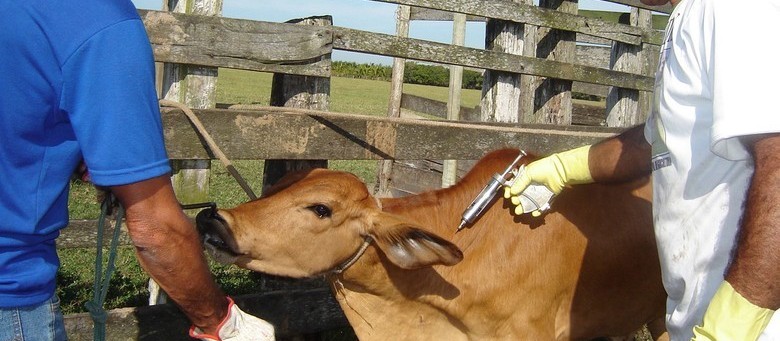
[586, 269]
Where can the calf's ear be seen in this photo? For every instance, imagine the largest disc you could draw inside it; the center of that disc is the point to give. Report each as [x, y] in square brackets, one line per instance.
[409, 246]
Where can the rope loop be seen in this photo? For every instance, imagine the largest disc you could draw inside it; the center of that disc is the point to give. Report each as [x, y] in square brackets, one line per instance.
[97, 312]
[201, 129]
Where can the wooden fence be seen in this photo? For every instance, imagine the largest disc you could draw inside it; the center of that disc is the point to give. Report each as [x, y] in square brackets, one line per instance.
[192, 45]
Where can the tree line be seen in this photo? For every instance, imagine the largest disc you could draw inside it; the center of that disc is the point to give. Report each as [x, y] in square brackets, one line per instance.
[414, 73]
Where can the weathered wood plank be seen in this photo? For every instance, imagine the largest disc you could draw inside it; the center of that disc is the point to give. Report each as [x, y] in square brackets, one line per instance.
[388, 45]
[417, 176]
[435, 108]
[590, 89]
[384, 173]
[429, 14]
[582, 114]
[628, 107]
[588, 39]
[284, 133]
[595, 56]
[552, 97]
[237, 43]
[292, 312]
[529, 14]
[503, 93]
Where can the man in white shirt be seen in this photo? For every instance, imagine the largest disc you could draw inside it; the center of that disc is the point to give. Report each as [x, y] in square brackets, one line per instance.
[713, 148]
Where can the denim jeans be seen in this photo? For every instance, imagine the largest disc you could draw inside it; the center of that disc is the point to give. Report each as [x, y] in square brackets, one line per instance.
[42, 322]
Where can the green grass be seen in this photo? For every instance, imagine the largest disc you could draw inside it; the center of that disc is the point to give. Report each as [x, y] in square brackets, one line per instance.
[348, 95]
[128, 286]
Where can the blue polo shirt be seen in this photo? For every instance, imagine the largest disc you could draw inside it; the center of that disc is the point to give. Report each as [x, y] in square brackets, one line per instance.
[76, 81]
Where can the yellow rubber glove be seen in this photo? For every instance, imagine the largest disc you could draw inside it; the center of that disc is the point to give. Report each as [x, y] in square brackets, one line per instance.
[731, 317]
[555, 172]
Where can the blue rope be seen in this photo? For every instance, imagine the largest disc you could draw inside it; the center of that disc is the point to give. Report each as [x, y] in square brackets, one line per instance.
[100, 289]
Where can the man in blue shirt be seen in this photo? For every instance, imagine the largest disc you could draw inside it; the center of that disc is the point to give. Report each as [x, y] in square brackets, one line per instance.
[78, 83]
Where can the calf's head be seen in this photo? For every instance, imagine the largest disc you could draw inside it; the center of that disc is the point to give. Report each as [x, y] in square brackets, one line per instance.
[313, 222]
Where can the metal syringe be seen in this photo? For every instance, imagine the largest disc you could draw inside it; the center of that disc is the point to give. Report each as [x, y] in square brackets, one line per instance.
[487, 195]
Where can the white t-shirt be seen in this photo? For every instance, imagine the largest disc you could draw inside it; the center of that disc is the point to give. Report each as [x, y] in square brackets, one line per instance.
[717, 80]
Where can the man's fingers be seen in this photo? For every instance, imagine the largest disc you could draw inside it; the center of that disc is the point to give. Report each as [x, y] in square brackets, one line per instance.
[520, 185]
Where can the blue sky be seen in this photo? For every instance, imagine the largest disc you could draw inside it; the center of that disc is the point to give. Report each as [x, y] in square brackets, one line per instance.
[358, 14]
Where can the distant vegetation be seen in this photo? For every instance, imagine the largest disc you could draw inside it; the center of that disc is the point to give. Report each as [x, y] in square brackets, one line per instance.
[414, 73]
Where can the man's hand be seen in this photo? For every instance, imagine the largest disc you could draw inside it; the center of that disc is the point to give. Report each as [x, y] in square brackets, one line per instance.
[555, 172]
[237, 326]
[731, 317]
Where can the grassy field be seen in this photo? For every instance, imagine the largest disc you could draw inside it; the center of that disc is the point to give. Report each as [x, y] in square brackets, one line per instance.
[348, 95]
[128, 285]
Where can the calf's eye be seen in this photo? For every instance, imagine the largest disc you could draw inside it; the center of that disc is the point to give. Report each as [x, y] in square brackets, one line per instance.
[320, 210]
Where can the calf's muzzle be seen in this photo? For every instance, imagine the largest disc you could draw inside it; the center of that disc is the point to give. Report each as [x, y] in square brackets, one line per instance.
[213, 229]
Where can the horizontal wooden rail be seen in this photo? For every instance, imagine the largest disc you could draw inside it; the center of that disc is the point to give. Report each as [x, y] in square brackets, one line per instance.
[435, 108]
[428, 14]
[288, 133]
[534, 15]
[581, 114]
[409, 48]
[238, 44]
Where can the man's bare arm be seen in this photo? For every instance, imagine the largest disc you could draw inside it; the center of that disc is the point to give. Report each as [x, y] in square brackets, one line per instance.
[621, 158]
[168, 248]
[755, 269]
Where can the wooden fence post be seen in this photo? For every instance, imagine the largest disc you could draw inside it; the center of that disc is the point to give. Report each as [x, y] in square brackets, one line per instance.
[552, 97]
[385, 167]
[629, 107]
[449, 174]
[296, 91]
[195, 87]
[501, 90]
